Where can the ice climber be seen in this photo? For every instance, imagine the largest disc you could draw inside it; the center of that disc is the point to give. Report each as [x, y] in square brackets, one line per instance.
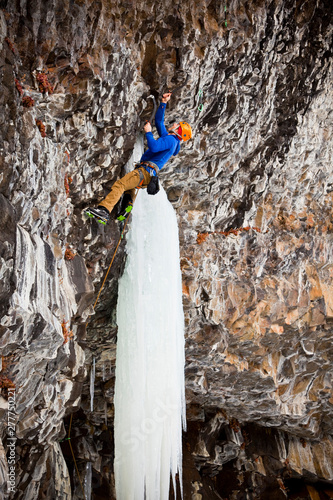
[145, 174]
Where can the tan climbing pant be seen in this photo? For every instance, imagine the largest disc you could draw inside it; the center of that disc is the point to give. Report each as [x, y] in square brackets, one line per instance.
[127, 184]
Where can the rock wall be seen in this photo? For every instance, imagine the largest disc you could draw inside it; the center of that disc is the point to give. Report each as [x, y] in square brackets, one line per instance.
[253, 194]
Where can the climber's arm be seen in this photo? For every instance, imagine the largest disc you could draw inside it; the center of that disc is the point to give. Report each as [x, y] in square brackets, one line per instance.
[159, 117]
[161, 144]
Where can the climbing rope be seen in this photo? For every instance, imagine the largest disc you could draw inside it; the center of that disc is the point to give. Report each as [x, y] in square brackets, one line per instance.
[225, 15]
[113, 257]
[98, 295]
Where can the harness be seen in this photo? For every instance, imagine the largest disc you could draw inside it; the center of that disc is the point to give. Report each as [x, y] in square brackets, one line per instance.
[145, 164]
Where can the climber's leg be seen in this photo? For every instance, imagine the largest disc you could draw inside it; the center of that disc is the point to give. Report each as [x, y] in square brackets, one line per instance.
[127, 183]
[136, 179]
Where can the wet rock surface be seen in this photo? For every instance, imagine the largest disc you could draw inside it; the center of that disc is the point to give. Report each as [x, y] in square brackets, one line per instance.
[253, 195]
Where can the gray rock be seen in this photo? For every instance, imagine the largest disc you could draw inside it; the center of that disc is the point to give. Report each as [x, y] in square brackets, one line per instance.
[253, 196]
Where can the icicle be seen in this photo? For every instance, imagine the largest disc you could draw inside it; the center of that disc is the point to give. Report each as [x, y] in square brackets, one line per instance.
[87, 481]
[92, 384]
[149, 391]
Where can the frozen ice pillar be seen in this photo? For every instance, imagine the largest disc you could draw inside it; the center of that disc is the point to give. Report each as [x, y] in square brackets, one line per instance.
[149, 393]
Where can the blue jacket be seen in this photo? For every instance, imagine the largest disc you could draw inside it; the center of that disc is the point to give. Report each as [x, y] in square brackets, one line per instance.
[159, 151]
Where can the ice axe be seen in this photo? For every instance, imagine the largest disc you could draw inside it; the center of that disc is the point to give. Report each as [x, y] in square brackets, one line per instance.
[152, 116]
[173, 91]
[180, 86]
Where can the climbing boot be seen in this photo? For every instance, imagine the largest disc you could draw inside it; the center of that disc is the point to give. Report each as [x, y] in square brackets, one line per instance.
[126, 207]
[101, 214]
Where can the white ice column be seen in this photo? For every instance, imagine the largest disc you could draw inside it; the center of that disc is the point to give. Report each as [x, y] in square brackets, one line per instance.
[149, 392]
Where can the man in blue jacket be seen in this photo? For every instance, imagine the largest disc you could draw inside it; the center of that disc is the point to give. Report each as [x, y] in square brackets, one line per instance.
[158, 153]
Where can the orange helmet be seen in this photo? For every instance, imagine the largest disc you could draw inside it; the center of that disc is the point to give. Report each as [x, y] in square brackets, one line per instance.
[186, 131]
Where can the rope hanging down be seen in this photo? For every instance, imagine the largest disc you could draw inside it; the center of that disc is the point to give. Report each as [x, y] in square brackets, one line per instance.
[113, 257]
[98, 295]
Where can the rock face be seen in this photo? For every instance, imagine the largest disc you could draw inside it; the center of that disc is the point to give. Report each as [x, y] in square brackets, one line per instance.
[253, 194]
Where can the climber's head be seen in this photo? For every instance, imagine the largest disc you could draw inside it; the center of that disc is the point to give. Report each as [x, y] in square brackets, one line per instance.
[182, 130]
